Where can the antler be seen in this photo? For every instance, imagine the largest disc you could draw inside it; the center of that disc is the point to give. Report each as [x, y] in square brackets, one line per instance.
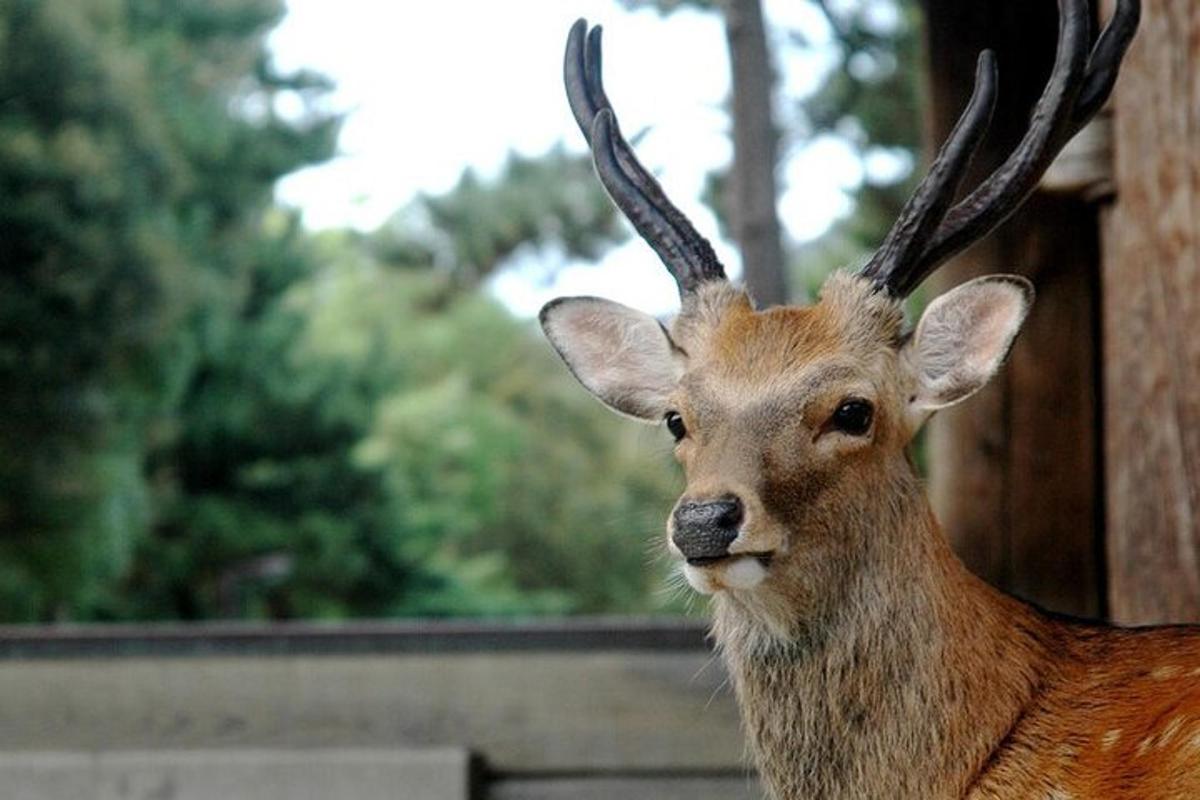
[687, 255]
[930, 230]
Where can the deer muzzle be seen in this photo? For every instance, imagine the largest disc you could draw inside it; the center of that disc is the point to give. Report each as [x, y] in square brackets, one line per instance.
[703, 530]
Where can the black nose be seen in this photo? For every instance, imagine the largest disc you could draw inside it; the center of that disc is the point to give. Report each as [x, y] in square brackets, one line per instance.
[704, 530]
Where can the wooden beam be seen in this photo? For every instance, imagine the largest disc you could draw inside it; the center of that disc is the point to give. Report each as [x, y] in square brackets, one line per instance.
[752, 183]
[592, 788]
[1151, 302]
[524, 713]
[362, 774]
[374, 637]
[1014, 470]
[555, 708]
[1084, 167]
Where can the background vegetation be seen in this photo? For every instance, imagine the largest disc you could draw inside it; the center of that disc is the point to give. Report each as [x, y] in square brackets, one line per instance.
[206, 410]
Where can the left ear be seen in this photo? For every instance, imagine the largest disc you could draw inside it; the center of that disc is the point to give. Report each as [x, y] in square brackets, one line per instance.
[963, 337]
[622, 356]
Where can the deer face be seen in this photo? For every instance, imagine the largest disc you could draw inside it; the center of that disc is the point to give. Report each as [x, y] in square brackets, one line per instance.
[790, 422]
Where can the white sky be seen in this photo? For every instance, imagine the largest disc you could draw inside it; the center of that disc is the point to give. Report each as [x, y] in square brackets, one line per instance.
[431, 88]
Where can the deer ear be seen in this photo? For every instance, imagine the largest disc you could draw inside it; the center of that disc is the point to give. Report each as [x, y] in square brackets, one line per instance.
[963, 337]
[622, 356]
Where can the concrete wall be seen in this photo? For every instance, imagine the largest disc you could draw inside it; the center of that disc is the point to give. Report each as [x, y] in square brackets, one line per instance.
[422, 712]
[319, 774]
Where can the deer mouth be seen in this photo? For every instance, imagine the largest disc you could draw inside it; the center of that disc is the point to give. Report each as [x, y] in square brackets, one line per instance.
[736, 571]
[764, 559]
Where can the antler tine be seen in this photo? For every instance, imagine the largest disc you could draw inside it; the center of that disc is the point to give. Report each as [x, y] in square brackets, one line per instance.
[928, 204]
[1079, 84]
[579, 94]
[1078, 87]
[647, 183]
[687, 255]
[1106, 59]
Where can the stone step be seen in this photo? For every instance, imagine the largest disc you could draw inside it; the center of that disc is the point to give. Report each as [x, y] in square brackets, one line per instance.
[253, 774]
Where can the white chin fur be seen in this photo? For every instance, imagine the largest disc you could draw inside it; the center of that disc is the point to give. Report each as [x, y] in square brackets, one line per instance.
[698, 579]
[741, 573]
[744, 573]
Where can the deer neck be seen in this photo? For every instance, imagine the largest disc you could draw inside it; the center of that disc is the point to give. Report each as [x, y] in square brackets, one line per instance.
[902, 687]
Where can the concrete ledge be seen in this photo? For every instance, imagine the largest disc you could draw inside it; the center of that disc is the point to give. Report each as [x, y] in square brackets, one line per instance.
[641, 788]
[523, 712]
[591, 708]
[362, 774]
[351, 638]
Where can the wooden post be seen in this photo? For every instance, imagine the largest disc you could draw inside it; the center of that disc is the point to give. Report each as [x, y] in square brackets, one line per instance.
[752, 181]
[1015, 470]
[1151, 303]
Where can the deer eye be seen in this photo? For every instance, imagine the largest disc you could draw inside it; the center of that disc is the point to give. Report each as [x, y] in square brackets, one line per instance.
[853, 417]
[675, 425]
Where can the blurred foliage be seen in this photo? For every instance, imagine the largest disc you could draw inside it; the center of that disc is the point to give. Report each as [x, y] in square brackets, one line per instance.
[207, 411]
[870, 98]
[468, 233]
[488, 452]
[375, 443]
[138, 150]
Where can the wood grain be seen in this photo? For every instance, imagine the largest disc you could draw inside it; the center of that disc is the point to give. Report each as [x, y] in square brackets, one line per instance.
[524, 713]
[670, 788]
[753, 187]
[361, 774]
[1151, 305]
[1015, 469]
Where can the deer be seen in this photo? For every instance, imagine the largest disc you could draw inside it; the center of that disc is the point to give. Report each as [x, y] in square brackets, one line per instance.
[866, 660]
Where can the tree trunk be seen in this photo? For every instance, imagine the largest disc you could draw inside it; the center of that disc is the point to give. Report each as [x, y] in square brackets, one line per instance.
[753, 185]
[1015, 470]
[1151, 296]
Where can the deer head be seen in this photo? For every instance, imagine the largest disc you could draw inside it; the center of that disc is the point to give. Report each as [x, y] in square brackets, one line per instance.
[792, 423]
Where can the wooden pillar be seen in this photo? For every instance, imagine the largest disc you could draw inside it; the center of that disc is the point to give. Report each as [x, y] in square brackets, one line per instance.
[753, 187]
[1014, 470]
[1151, 307]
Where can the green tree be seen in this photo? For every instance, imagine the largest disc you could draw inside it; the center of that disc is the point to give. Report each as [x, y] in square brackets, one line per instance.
[494, 466]
[138, 149]
[551, 203]
[749, 191]
[870, 98]
[376, 437]
[206, 411]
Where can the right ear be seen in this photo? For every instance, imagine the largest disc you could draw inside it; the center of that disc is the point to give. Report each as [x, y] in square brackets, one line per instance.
[963, 337]
[622, 356]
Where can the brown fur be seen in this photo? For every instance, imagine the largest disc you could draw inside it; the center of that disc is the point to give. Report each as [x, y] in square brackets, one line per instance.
[869, 663]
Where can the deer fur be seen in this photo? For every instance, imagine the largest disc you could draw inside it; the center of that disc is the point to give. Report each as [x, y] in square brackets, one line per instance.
[866, 660]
